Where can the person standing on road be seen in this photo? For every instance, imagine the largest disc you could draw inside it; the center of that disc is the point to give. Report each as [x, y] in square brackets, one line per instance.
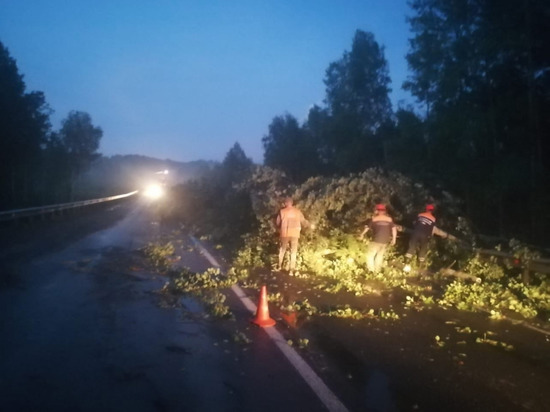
[423, 229]
[384, 232]
[290, 221]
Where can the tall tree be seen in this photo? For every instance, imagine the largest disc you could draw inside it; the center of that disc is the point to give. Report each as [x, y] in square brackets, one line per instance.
[56, 185]
[290, 148]
[317, 127]
[357, 98]
[24, 126]
[404, 144]
[236, 166]
[218, 203]
[81, 141]
[481, 69]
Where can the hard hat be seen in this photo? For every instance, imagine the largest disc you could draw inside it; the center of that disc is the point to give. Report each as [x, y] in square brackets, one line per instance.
[380, 206]
[430, 208]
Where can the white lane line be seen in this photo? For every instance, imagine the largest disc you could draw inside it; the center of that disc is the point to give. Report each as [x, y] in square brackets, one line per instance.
[327, 397]
[205, 252]
[536, 329]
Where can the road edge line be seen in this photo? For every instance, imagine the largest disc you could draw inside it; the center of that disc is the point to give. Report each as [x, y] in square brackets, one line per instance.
[323, 392]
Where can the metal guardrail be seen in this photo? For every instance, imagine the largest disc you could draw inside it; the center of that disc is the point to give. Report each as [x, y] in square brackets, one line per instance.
[539, 265]
[42, 210]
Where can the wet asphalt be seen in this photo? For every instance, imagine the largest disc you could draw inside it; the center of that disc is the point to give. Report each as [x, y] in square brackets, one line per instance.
[85, 328]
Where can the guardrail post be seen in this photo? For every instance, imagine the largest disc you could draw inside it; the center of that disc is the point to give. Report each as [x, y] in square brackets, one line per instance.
[526, 275]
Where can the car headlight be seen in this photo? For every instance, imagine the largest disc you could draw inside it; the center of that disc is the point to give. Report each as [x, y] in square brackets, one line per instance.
[154, 192]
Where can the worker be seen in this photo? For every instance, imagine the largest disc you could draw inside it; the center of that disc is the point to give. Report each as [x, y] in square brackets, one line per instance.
[290, 221]
[384, 232]
[423, 229]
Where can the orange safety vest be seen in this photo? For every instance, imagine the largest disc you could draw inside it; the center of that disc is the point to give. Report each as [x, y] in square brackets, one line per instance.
[290, 222]
[381, 226]
[424, 224]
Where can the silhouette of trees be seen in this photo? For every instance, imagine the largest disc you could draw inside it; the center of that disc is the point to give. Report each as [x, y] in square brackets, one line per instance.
[236, 167]
[217, 203]
[290, 147]
[80, 139]
[358, 105]
[24, 128]
[344, 136]
[481, 69]
[38, 166]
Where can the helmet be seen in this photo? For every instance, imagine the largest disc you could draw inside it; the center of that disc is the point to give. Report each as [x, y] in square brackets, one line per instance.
[380, 206]
[430, 208]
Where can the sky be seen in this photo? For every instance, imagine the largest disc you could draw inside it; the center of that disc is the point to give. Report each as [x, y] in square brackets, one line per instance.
[184, 80]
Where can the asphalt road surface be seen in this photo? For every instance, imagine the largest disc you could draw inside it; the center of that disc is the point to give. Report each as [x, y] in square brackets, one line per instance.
[83, 328]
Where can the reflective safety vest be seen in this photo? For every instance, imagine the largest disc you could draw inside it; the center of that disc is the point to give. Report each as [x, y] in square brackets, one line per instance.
[381, 227]
[289, 221]
[424, 224]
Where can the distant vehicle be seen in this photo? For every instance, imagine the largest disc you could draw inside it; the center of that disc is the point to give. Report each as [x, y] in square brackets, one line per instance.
[157, 190]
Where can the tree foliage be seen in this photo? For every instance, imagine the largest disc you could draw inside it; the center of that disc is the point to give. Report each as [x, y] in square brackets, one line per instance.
[480, 74]
[236, 165]
[344, 135]
[80, 139]
[290, 147]
[215, 203]
[481, 70]
[357, 85]
[405, 148]
[36, 164]
[358, 105]
[24, 128]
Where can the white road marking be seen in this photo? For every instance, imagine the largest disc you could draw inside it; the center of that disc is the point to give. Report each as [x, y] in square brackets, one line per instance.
[327, 397]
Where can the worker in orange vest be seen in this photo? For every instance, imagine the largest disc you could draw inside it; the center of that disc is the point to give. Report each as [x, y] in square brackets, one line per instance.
[384, 232]
[290, 221]
[423, 229]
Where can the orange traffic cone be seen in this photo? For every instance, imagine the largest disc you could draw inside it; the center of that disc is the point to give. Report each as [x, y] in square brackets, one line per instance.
[262, 313]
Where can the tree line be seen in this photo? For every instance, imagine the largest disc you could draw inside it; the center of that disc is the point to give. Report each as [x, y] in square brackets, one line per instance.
[39, 165]
[480, 73]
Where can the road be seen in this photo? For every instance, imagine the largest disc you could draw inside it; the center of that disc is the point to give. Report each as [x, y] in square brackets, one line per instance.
[85, 328]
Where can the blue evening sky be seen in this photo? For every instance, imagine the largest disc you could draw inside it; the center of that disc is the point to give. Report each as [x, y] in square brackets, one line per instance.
[185, 80]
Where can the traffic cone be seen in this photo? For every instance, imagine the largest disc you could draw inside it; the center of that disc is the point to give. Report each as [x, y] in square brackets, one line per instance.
[262, 313]
[290, 318]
